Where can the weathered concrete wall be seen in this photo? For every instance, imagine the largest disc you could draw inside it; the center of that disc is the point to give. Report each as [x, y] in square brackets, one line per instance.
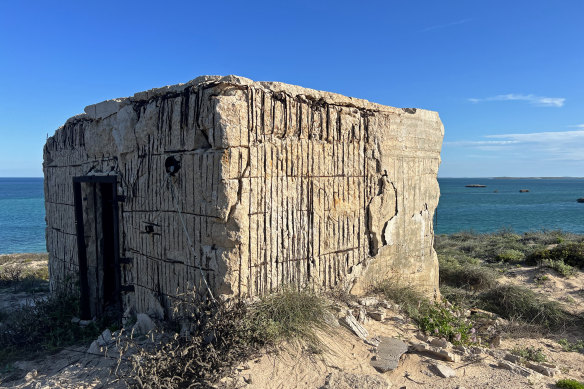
[278, 185]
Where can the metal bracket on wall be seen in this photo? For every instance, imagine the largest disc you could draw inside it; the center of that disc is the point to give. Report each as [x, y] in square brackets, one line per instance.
[127, 288]
[126, 261]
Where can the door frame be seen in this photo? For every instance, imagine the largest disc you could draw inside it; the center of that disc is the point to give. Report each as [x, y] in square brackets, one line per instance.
[81, 249]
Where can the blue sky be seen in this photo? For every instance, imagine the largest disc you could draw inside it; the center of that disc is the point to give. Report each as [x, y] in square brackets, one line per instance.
[507, 77]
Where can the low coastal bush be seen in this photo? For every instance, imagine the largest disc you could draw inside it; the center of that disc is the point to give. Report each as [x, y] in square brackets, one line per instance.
[289, 314]
[570, 384]
[521, 304]
[443, 320]
[571, 253]
[511, 256]
[411, 302]
[447, 321]
[530, 353]
[41, 326]
[221, 335]
[571, 346]
[467, 276]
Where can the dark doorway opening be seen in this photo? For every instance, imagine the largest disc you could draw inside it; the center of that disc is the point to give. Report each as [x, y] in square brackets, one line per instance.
[96, 220]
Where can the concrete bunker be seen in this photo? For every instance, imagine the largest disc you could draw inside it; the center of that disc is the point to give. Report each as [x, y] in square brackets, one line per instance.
[239, 188]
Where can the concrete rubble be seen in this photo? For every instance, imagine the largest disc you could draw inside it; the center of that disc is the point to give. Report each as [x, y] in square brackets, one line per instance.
[388, 354]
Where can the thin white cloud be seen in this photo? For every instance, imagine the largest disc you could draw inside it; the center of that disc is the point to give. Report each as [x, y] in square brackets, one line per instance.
[456, 23]
[551, 145]
[581, 126]
[541, 101]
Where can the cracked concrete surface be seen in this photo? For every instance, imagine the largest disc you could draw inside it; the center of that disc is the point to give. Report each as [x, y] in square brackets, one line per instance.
[278, 185]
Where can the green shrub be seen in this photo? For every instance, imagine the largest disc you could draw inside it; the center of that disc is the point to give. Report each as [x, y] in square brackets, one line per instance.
[446, 321]
[441, 320]
[530, 353]
[511, 256]
[559, 266]
[412, 302]
[569, 384]
[42, 326]
[222, 335]
[571, 253]
[570, 347]
[473, 277]
[519, 303]
[289, 314]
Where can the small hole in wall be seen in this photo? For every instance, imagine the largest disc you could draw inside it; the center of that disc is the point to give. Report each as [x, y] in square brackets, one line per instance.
[149, 229]
[172, 165]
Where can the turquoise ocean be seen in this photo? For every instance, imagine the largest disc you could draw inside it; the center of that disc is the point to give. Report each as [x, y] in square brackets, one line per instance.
[550, 204]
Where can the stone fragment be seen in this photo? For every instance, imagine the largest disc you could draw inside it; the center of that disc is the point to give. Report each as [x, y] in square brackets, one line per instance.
[435, 352]
[368, 301]
[31, 375]
[75, 320]
[105, 338]
[363, 318]
[85, 323]
[94, 348]
[350, 321]
[542, 369]
[512, 358]
[517, 369]
[388, 354]
[440, 342]
[378, 314]
[386, 304]
[420, 336]
[496, 341]
[443, 370]
[344, 380]
[372, 342]
[144, 324]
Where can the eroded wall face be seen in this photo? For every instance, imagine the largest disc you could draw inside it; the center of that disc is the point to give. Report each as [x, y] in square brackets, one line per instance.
[330, 192]
[275, 188]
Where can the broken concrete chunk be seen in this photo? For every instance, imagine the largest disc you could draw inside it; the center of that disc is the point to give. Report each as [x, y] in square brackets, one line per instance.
[525, 372]
[378, 315]
[105, 338]
[435, 352]
[350, 321]
[512, 358]
[363, 316]
[368, 301]
[443, 370]
[144, 324]
[440, 342]
[542, 369]
[31, 375]
[344, 380]
[389, 352]
[94, 348]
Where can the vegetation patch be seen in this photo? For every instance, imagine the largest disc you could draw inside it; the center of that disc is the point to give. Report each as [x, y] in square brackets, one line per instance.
[42, 326]
[521, 304]
[474, 277]
[570, 384]
[571, 346]
[221, 335]
[440, 320]
[530, 353]
[563, 258]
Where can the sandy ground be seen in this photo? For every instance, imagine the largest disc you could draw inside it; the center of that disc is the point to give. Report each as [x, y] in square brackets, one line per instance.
[306, 366]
